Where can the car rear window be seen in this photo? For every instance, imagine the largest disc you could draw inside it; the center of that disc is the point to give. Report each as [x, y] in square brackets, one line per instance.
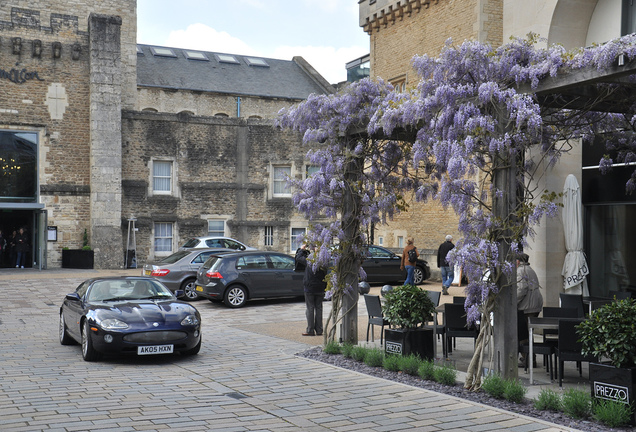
[193, 242]
[171, 259]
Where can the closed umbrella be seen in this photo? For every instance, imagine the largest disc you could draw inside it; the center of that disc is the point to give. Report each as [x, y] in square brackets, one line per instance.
[575, 266]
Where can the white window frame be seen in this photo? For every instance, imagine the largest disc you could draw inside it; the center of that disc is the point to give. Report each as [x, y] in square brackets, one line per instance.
[172, 179]
[400, 241]
[380, 241]
[156, 236]
[268, 239]
[293, 243]
[309, 167]
[217, 232]
[275, 181]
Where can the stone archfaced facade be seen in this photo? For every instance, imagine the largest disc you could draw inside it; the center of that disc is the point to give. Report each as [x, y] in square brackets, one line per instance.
[95, 130]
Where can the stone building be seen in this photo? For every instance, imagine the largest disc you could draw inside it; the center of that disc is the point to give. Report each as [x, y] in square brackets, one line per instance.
[96, 130]
[400, 29]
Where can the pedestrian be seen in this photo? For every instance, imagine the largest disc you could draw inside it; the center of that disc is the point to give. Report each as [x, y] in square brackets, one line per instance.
[299, 262]
[443, 265]
[529, 300]
[314, 287]
[21, 248]
[409, 259]
[3, 248]
[11, 243]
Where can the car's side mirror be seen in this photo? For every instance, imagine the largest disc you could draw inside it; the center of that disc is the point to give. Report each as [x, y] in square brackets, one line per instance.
[73, 297]
[179, 293]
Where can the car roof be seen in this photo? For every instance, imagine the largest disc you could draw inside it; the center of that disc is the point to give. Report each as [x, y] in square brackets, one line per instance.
[132, 278]
[233, 253]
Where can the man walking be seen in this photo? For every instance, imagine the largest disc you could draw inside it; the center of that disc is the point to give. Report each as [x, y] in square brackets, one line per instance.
[314, 287]
[443, 265]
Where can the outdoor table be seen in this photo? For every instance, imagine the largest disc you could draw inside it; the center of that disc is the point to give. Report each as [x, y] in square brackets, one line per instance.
[538, 323]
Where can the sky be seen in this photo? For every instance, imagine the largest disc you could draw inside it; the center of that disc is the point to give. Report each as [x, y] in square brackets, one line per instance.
[324, 32]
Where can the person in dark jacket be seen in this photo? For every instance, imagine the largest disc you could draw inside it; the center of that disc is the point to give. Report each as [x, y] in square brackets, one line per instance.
[314, 287]
[21, 247]
[443, 265]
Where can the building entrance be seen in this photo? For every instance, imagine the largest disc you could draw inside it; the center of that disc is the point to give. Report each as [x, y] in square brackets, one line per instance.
[11, 220]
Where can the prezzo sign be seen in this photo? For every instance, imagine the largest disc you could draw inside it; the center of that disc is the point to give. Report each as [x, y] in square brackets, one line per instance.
[19, 76]
[393, 347]
[611, 392]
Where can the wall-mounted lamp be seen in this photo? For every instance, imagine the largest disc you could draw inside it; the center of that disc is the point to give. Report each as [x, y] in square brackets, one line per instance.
[57, 50]
[76, 51]
[17, 45]
[37, 48]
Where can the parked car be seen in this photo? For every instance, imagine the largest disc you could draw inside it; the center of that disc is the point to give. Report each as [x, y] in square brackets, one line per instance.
[237, 277]
[128, 315]
[179, 270]
[383, 266]
[215, 242]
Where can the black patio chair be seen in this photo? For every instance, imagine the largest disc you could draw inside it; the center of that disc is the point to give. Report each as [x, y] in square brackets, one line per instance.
[619, 295]
[440, 329]
[542, 348]
[573, 301]
[376, 317]
[456, 325]
[569, 347]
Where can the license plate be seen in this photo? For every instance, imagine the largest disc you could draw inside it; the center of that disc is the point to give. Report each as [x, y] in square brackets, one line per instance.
[199, 288]
[147, 272]
[155, 349]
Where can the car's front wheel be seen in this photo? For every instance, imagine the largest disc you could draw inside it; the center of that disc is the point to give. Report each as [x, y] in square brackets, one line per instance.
[418, 275]
[189, 288]
[235, 296]
[65, 339]
[88, 352]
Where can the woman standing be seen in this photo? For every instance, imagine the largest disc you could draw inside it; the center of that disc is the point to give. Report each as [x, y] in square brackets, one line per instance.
[22, 248]
[409, 259]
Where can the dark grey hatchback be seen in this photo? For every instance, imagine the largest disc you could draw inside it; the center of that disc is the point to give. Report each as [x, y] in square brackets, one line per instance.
[236, 277]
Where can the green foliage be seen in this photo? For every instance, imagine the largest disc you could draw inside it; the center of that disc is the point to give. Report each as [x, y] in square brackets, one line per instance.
[446, 375]
[548, 400]
[347, 350]
[514, 391]
[358, 353]
[427, 370]
[494, 385]
[409, 364]
[391, 363]
[332, 347]
[611, 413]
[611, 332]
[577, 403]
[85, 245]
[374, 357]
[407, 306]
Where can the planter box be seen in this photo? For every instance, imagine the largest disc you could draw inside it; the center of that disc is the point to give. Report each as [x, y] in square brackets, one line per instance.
[611, 383]
[78, 258]
[405, 342]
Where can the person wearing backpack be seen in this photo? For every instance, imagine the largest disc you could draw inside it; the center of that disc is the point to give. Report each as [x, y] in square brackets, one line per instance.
[409, 259]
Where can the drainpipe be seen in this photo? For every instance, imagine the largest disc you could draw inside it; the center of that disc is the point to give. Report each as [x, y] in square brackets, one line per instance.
[238, 106]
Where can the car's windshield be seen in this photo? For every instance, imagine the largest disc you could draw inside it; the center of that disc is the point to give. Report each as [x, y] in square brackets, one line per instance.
[171, 259]
[193, 242]
[127, 289]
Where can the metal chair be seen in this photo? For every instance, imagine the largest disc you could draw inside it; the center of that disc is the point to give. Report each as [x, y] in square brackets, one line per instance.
[439, 329]
[541, 348]
[573, 301]
[456, 325]
[569, 347]
[376, 317]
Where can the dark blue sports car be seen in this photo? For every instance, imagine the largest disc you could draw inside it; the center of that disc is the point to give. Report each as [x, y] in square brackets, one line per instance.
[128, 315]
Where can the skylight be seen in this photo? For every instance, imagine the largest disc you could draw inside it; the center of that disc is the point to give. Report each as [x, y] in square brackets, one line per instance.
[162, 52]
[253, 61]
[139, 50]
[226, 58]
[196, 55]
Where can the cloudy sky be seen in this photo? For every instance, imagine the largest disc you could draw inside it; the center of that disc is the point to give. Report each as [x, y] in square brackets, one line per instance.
[323, 32]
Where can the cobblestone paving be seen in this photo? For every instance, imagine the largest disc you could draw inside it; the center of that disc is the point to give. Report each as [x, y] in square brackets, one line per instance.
[240, 381]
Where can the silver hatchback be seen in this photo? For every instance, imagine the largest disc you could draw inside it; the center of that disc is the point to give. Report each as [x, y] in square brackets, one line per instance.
[179, 270]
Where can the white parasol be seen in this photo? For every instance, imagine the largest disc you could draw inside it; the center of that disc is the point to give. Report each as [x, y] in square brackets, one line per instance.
[575, 267]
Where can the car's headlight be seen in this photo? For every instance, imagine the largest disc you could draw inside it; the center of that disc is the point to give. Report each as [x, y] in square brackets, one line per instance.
[113, 324]
[190, 320]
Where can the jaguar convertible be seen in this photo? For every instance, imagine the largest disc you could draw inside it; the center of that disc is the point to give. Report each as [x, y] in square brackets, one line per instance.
[128, 315]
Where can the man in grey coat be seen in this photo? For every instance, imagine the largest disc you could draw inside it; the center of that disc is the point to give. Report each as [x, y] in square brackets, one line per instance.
[529, 298]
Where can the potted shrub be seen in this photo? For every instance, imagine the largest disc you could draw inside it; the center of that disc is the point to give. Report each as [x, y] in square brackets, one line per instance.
[610, 333]
[406, 308]
[79, 258]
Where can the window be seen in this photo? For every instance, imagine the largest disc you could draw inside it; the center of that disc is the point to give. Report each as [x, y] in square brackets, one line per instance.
[162, 52]
[282, 262]
[252, 61]
[162, 177]
[226, 58]
[216, 228]
[18, 166]
[280, 187]
[163, 237]
[311, 170]
[195, 55]
[297, 237]
[269, 236]
[381, 241]
[400, 241]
